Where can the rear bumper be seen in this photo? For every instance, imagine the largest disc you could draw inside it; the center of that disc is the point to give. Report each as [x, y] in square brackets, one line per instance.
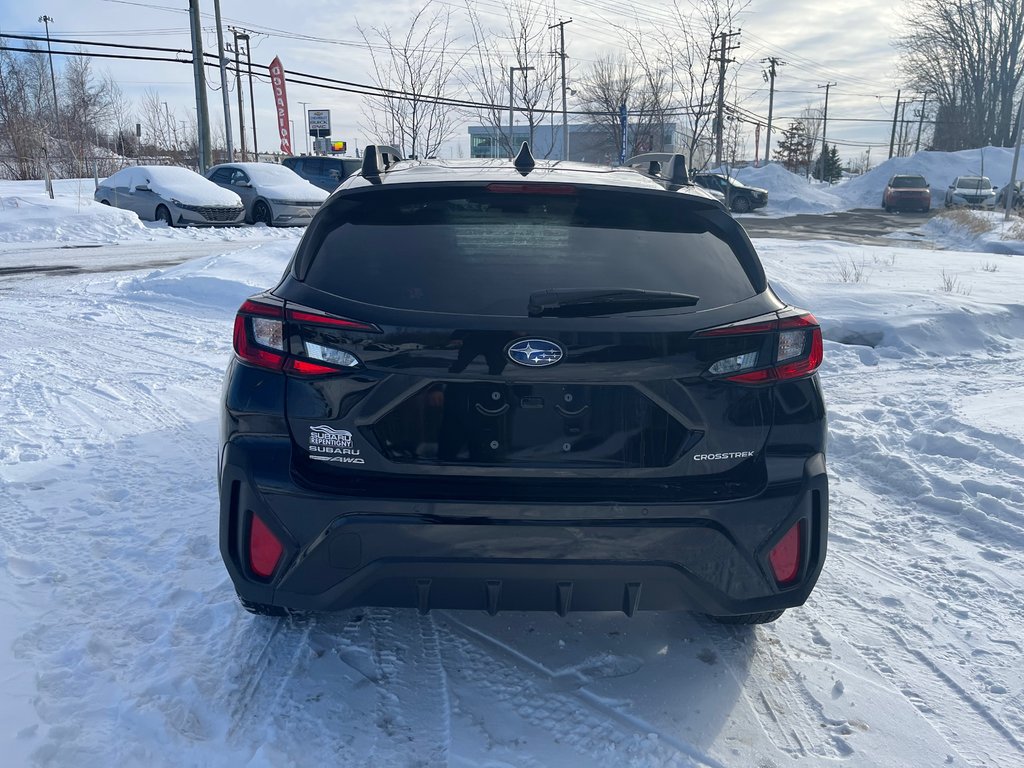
[342, 551]
[913, 202]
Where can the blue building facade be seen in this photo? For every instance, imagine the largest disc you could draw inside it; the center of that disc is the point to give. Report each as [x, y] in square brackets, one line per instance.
[588, 142]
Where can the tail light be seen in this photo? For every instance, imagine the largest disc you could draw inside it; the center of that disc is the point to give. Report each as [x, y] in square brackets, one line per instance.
[259, 334]
[268, 336]
[780, 348]
[265, 548]
[785, 556]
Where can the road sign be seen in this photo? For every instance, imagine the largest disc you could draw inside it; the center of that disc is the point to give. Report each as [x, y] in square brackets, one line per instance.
[319, 122]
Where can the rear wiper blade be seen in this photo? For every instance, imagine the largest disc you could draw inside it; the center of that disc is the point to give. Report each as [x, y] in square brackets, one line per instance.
[581, 302]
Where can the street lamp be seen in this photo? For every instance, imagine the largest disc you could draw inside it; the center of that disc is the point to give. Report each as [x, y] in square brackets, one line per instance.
[511, 73]
[305, 128]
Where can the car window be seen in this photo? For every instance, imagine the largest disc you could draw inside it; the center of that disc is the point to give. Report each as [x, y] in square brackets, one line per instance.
[313, 166]
[485, 252]
[222, 176]
[974, 182]
[908, 182]
[239, 176]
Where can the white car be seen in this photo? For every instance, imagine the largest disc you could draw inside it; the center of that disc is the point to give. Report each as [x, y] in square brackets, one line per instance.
[971, 191]
[176, 196]
[271, 193]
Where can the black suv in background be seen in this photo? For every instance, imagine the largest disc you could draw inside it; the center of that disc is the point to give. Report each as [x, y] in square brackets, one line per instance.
[326, 172]
[521, 386]
[738, 196]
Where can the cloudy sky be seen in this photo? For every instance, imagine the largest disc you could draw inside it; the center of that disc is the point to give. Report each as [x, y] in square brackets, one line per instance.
[847, 43]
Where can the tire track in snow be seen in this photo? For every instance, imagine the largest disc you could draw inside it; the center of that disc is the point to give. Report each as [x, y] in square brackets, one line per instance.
[558, 703]
[928, 671]
[413, 716]
[789, 712]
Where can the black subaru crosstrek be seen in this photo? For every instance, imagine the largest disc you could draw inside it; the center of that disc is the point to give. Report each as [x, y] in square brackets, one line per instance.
[531, 385]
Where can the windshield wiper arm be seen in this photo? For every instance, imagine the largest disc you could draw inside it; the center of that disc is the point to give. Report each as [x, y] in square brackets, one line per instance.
[581, 302]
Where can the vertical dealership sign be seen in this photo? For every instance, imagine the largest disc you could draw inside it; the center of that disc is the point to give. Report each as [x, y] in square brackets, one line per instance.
[281, 104]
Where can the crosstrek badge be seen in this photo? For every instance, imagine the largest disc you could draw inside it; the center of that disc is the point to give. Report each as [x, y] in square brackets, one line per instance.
[723, 456]
[334, 445]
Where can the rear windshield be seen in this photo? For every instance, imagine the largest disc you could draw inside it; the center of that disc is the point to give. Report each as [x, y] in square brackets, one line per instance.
[908, 182]
[481, 251]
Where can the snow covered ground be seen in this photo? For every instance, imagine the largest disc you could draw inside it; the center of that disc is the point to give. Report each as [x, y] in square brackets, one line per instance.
[121, 642]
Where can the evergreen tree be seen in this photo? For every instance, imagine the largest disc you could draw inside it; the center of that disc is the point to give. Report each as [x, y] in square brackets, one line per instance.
[795, 148]
[833, 166]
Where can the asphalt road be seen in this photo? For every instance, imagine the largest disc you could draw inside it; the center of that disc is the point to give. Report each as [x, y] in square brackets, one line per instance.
[18, 259]
[865, 226]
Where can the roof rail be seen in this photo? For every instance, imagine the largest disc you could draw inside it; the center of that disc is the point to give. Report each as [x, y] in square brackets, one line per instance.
[378, 159]
[524, 161]
[667, 166]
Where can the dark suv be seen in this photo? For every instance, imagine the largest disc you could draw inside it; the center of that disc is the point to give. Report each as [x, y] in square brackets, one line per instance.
[738, 196]
[326, 172]
[522, 386]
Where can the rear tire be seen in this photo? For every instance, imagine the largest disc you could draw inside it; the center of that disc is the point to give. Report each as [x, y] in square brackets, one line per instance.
[765, 617]
[164, 215]
[262, 609]
[261, 213]
[741, 205]
[105, 202]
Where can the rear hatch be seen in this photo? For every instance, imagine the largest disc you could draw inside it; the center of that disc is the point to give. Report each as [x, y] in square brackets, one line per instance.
[528, 341]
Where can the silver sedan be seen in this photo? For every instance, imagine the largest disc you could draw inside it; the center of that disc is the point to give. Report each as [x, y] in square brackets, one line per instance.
[271, 193]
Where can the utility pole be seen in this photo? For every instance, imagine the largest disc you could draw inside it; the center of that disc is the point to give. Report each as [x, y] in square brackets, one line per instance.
[824, 129]
[202, 111]
[720, 113]
[238, 87]
[511, 72]
[904, 137]
[895, 117]
[920, 122]
[252, 95]
[305, 128]
[45, 21]
[769, 76]
[565, 110]
[226, 97]
[1011, 187]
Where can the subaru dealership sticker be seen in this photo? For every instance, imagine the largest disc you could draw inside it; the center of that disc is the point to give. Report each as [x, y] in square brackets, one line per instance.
[334, 445]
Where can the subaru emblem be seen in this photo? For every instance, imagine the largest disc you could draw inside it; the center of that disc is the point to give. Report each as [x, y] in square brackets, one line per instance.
[535, 353]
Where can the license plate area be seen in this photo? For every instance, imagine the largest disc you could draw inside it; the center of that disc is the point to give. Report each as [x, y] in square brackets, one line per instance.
[531, 425]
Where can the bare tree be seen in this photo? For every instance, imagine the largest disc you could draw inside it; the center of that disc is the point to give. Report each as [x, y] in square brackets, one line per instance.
[695, 38]
[968, 54]
[518, 56]
[414, 69]
[607, 85]
[157, 122]
[654, 66]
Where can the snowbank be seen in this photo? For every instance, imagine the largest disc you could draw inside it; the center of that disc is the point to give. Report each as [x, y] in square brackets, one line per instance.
[222, 281]
[789, 193]
[28, 215]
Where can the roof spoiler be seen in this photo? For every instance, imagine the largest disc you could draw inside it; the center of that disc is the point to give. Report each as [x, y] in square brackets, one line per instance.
[666, 166]
[378, 159]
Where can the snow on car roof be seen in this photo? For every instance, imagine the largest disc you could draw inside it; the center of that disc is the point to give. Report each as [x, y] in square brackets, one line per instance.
[184, 185]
